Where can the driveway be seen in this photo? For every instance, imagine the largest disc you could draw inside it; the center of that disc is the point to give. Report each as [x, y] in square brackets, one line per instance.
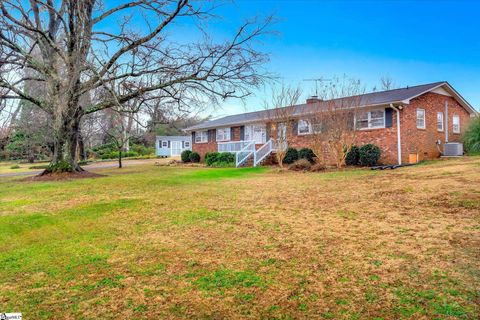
[93, 166]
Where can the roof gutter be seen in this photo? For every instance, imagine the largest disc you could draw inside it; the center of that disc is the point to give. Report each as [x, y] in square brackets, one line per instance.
[399, 138]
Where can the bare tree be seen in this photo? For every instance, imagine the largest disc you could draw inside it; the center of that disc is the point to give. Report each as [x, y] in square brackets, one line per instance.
[280, 114]
[78, 56]
[387, 83]
[332, 120]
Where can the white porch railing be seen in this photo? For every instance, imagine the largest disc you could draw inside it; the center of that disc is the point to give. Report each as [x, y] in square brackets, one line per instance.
[263, 152]
[233, 146]
[245, 153]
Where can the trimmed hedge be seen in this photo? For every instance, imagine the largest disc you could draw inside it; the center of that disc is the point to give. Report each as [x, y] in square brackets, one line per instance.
[185, 155]
[369, 155]
[306, 153]
[290, 156]
[194, 157]
[219, 159]
[353, 156]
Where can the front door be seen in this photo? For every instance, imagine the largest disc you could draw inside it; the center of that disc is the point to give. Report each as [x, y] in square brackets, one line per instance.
[176, 149]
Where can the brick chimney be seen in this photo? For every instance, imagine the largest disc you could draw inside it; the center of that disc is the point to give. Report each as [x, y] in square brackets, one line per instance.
[313, 99]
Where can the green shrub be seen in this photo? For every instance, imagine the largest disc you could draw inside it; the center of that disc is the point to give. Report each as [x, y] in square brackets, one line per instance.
[15, 166]
[185, 155]
[194, 157]
[226, 157]
[306, 153]
[219, 159]
[369, 155]
[300, 165]
[353, 156]
[290, 156]
[471, 139]
[114, 155]
[41, 166]
[211, 158]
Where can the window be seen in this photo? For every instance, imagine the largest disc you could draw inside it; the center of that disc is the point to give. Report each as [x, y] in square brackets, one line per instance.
[456, 124]
[223, 134]
[304, 127]
[187, 144]
[421, 118]
[201, 136]
[164, 144]
[440, 121]
[371, 119]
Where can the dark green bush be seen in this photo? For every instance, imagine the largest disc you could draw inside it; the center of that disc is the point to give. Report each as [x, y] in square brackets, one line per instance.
[219, 159]
[114, 155]
[226, 157]
[211, 158]
[472, 137]
[290, 156]
[353, 156]
[185, 155]
[194, 157]
[369, 155]
[306, 153]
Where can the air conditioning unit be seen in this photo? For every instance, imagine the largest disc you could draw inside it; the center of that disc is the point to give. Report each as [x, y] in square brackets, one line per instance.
[453, 149]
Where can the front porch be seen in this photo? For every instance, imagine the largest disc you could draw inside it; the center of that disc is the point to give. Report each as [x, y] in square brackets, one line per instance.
[249, 149]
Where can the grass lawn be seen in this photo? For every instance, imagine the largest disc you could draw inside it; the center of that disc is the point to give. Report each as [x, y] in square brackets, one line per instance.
[166, 242]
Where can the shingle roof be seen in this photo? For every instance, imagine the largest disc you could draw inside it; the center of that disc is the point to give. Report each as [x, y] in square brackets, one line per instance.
[365, 100]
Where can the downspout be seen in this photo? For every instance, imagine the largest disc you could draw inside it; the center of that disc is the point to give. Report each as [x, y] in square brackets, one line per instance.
[399, 139]
[446, 121]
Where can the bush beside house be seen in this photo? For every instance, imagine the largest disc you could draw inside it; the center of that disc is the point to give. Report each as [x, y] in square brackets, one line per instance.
[185, 155]
[307, 153]
[219, 159]
[290, 156]
[368, 155]
[194, 157]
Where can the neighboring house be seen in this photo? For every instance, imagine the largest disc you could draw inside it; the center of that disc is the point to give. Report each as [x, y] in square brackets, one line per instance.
[172, 146]
[408, 124]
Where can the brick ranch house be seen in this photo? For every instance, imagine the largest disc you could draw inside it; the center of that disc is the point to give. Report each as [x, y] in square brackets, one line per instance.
[408, 124]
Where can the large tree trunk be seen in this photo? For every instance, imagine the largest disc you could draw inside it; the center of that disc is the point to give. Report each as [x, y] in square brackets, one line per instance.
[66, 136]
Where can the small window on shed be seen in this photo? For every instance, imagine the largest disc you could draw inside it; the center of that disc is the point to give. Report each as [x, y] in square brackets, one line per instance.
[187, 144]
[164, 144]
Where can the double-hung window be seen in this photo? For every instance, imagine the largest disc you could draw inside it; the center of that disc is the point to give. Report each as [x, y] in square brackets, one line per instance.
[223, 134]
[456, 124]
[164, 144]
[304, 127]
[371, 119]
[421, 119]
[440, 121]
[201, 136]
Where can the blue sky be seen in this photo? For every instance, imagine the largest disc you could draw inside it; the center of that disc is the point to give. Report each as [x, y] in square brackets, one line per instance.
[413, 42]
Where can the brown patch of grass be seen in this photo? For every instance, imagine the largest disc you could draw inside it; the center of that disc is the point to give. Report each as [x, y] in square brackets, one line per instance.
[351, 244]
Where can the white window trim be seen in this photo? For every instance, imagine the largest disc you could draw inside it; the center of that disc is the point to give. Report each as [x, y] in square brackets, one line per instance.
[309, 128]
[369, 117]
[226, 137]
[442, 122]
[202, 140]
[453, 124]
[424, 118]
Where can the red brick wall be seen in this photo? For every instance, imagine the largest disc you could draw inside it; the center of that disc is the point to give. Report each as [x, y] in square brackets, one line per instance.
[422, 141]
[211, 146]
[414, 140]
